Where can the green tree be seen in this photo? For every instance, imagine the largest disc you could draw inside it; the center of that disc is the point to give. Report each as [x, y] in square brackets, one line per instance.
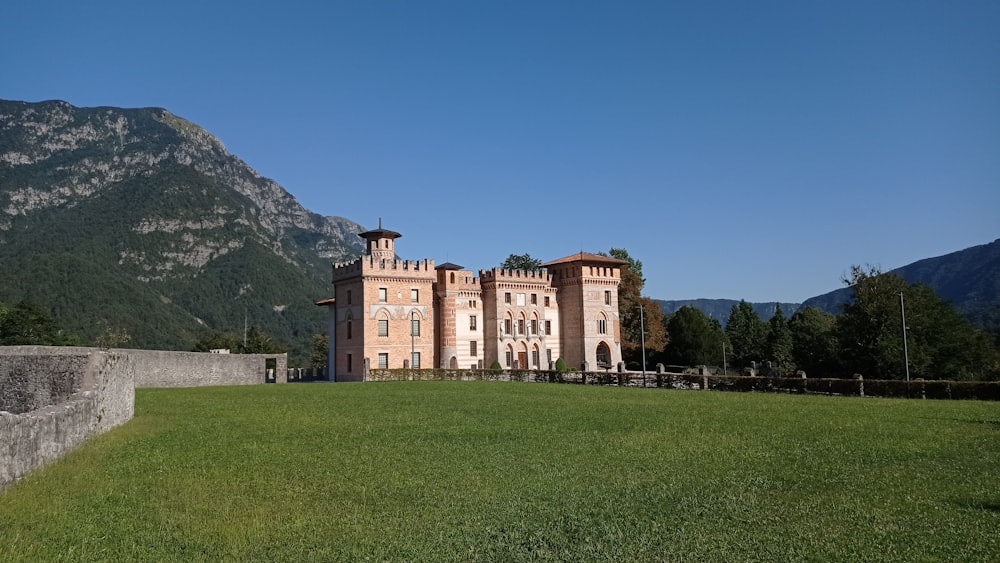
[521, 262]
[320, 350]
[27, 324]
[746, 333]
[695, 339]
[259, 342]
[778, 344]
[814, 342]
[940, 343]
[217, 340]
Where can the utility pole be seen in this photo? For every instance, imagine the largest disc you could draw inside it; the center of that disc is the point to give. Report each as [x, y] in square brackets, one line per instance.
[642, 338]
[906, 353]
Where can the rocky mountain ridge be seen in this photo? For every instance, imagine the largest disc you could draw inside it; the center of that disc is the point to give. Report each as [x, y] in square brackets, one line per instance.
[153, 205]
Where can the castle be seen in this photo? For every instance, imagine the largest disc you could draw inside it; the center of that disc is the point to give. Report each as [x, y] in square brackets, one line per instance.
[387, 313]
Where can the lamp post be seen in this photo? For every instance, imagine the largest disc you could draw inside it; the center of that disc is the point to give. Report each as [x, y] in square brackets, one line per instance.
[906, 353]
[642, 339]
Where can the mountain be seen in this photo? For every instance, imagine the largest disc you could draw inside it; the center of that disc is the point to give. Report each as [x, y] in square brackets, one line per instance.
[969, 278]
[719, 309]
[137, 219]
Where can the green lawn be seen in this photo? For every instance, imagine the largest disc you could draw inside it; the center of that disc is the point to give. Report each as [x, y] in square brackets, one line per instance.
[438, 471]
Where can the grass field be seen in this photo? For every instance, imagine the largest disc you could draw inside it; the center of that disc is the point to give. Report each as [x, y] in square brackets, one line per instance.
[438, 471]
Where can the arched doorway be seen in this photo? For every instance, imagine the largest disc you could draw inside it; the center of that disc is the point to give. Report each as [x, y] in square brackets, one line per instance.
[603, 356]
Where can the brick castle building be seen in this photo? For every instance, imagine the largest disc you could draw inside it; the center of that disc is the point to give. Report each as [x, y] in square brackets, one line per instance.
[389, 313]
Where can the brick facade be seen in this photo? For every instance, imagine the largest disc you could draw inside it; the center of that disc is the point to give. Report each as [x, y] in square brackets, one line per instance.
[393, 313]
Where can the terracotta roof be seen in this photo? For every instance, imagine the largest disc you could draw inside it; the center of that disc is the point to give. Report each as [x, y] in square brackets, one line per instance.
[587, 257]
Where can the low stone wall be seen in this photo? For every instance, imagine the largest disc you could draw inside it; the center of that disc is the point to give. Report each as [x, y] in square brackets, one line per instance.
[156, 368]
[53, 399]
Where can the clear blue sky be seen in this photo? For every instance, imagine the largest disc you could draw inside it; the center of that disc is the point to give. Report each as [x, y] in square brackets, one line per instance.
[739, 149]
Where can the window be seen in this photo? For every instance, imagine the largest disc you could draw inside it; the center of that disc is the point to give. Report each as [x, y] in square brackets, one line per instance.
[415, 360]
[510, 357]
[383, 360]
[349, 362]
[548, 355]
[546, 300]
[348, 297]
[382, 294]
[415, 295]
[414, 327]
[534, 299]
[534, 326]
[473, 349]
[548, 328]
[506, 297]
[607, 297]
[349, 323]
[602, 326]
[506, 326]
[520, 300]
[534, 358]
[472, 322]
[520, 326]
[383, 327]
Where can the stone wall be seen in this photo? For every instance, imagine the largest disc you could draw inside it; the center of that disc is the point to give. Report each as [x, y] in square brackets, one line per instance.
[156, 368]
[53, 399]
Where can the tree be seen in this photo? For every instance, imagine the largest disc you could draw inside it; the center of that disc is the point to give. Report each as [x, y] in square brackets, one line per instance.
[27, 324]
[632, 323]
[746, 333]
[217, 340]
[940, 343]
[814, 342]
[259, 342]
[320, 350]
[778, 344]
[695, 339]
[521, 262]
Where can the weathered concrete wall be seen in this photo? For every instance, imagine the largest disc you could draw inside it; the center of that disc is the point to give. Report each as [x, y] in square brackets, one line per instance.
[53, 399]
[155, 368]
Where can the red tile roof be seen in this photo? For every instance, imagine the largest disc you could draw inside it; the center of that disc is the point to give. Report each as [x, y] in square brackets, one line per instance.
[587, 258]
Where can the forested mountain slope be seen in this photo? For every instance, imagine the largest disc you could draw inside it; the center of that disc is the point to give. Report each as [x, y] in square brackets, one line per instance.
[141, 220]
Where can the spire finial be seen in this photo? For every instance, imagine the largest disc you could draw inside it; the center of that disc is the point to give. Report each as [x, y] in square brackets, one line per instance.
[380, 223]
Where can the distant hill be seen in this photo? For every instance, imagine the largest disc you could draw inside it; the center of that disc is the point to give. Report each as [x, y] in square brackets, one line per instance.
[719, 308]
[141, 220]
[969, 278]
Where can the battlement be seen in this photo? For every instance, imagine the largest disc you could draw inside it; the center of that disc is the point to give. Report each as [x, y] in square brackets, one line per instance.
[370, 265]
[521, 276]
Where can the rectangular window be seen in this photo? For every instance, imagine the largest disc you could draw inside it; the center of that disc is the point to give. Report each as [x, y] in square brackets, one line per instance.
[383, 293]
[510, 358]
[520, 326]
[607, 297]
[383, 327]
[349, 362]
[349, 323]
[548, 328]
[415, 360]
[602, 326]
[472, 322]
[506, 297]
[534, 326]
[534, 358]
[414, 327]
[473, 349]
[534, 299]
[548, 355]
[546, 300]
[415, 295]
[383, 360]
[520, 300]
[506, 326]
[348, 297]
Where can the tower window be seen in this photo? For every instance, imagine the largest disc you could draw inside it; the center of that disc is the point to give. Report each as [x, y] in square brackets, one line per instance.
[414, 295]
[383, 294]
[383, 327]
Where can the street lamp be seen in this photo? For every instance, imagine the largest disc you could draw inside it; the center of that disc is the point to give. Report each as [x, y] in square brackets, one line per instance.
[642, 339]
[906, 353]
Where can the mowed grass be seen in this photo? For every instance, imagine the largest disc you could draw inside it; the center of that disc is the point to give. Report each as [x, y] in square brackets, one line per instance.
[439, 471]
